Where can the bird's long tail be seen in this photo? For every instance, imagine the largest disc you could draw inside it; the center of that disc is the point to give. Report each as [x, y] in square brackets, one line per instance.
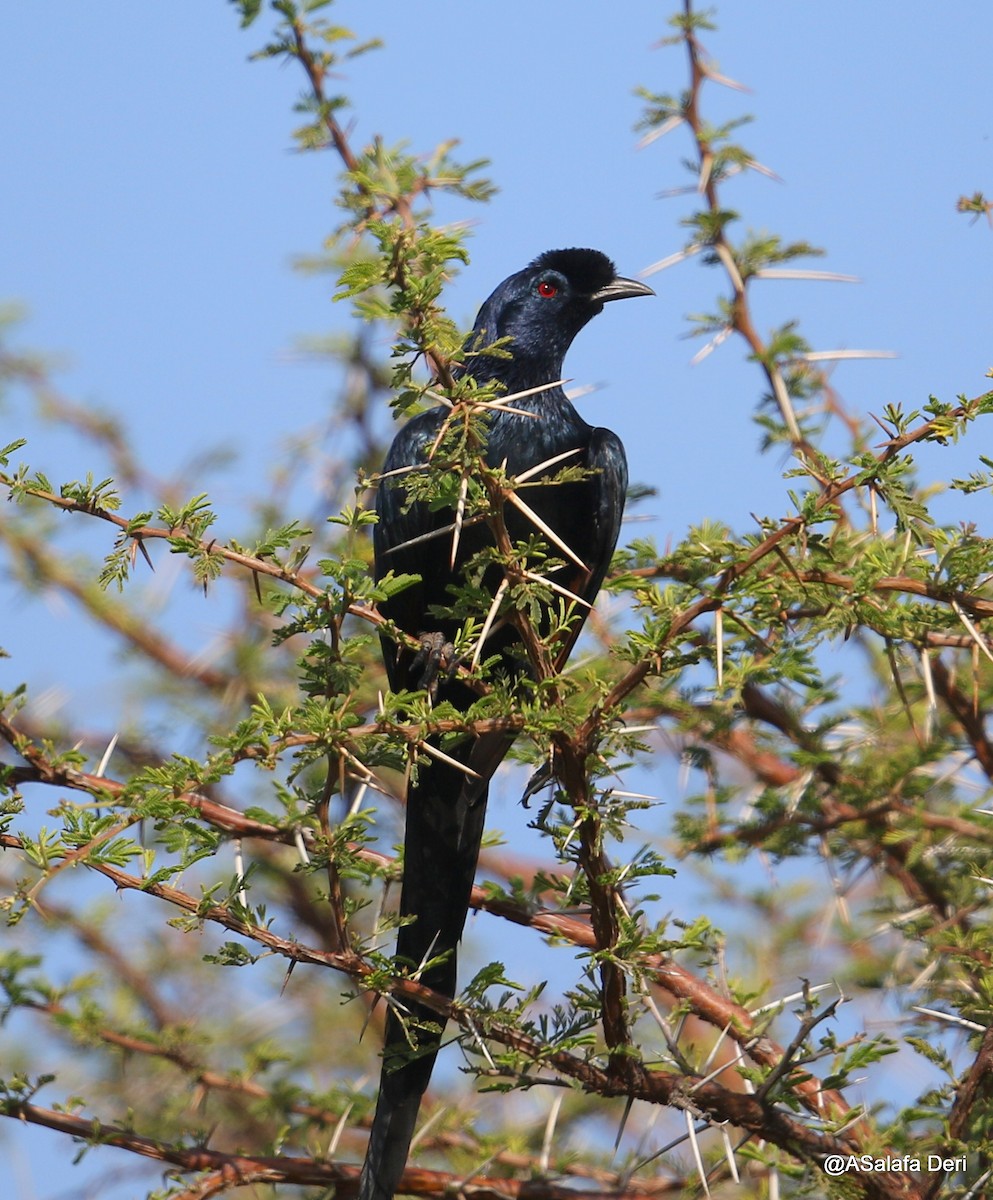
[445, 815]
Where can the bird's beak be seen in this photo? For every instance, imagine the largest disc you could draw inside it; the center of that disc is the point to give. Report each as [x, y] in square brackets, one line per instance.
[621, 289]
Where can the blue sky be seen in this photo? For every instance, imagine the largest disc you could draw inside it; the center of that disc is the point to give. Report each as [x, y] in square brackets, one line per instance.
[151, 205]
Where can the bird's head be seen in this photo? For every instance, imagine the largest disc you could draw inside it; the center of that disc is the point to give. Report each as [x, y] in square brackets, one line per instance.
[541, 309]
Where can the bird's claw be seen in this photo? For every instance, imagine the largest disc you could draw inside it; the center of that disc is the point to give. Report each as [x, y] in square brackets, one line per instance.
[438, 658]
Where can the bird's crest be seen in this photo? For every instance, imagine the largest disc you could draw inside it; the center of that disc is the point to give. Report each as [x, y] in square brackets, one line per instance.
[586, 270]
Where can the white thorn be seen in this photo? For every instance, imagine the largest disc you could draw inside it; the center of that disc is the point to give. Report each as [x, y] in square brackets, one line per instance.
[300, 845]
[546, 1142]
[484, 633]
[539, 524]
[653, 135]
[671, 261]
[800, 273]
[239, 870]
[838, 355]
[107, 754]
[695, 1146]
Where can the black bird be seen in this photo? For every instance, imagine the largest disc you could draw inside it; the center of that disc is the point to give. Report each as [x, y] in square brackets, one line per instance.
[540, 309]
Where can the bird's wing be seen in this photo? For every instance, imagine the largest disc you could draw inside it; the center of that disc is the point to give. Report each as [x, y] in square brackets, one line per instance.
[606, 457]
[605, 488]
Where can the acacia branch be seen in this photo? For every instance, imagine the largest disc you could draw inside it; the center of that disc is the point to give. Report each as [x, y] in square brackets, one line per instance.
[707, 1003]
[216, 1081]
[741, 317]
[737, 569]
[971, 719]
[400, 204]
[235, 1168]
[231, 1168]
[227, 1170]
[674, 979]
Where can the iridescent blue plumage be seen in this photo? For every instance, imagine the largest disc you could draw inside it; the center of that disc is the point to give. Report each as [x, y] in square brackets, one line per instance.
[540, 309]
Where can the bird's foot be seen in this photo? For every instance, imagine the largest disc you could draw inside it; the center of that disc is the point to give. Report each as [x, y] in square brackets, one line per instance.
[438, 658]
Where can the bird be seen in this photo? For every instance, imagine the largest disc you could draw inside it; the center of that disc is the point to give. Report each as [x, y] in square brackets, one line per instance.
[534, 314]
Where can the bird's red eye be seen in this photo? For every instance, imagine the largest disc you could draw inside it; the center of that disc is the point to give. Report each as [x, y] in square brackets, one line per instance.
[547, 289]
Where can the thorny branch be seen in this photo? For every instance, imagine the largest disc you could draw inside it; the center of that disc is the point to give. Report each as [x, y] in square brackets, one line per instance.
[741, 317]
[681, 984]
[657, 1087]
[624, 1074]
